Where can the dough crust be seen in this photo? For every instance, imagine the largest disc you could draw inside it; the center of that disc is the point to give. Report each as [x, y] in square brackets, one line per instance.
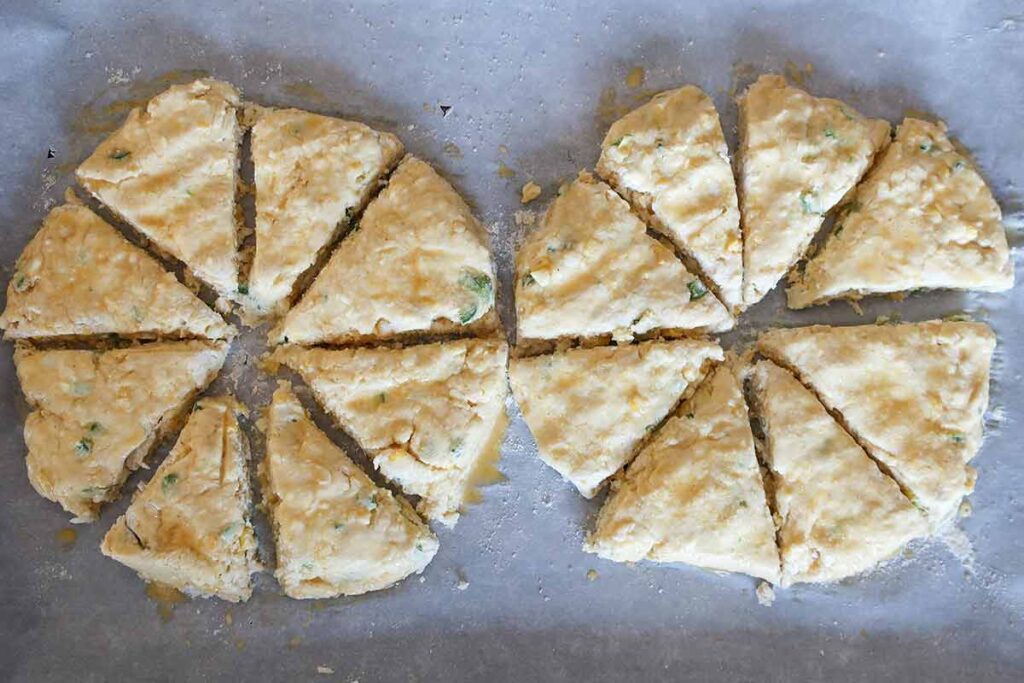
[189, 528]
[313, 174]
[430, 417]
[418, 263]
[799, 155]
[670, 160]
[913, 395]
[336, 532]
[694, 494]
[171, 171]
[839, 515]
[592, 270]
[923, 219]
[97, 415]
[79, 277]
[590, 409]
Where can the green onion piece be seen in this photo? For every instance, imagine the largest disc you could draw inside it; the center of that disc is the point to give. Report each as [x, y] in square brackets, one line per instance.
[83, 447]
[697, 290]
[169, 481]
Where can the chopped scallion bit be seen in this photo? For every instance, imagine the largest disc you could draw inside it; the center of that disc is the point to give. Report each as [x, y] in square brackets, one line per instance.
[697, 290]
[83, 447]
[805, 203]
[467, 314]
[169, 481]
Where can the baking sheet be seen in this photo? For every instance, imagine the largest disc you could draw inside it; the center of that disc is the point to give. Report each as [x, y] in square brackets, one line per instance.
[531, 88]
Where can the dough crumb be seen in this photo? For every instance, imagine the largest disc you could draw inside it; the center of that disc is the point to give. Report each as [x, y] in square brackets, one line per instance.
[765, 594]
[325, 670]
[525, 218]
[268, 364]
[591, 575]
[531, 191]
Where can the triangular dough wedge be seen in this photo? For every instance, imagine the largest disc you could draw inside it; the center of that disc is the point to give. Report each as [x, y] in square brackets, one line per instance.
[336, 532]
[79, 277]
[590, 409]
[171, 170]
[313, 173]
[800, 155]
[923, 219]
[189, 527]
[913, 395]
[669, 158]
[417, 263]
[591, 269]
[431, 417]
[694, 494]
[839, 514]
[97, 415]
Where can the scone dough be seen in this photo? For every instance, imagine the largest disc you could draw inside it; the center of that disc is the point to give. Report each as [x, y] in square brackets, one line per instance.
[669, 158]
[97, 415]
[171, 171]
[312, 173]
[336, 532]
[923, 219]
[429, 416]
[839, 514]
[590, 409]
[79, 277]
[418, 263]
[913, 395]
[592, 270]
[189, 527]
[694, 494]
[799, 156]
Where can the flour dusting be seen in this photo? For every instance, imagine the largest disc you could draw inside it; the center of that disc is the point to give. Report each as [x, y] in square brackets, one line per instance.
[959, 544]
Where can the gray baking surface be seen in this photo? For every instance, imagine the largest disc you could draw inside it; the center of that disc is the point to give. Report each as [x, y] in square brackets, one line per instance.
[531, 87]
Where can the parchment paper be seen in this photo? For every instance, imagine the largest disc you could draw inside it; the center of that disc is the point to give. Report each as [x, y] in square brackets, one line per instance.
[531, 88]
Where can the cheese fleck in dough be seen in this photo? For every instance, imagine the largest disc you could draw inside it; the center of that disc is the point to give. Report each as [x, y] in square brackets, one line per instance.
[840, 515]
[97, 415]
[429, 416]
[590, 409]
[913, 395]
[799, 155]
[171, 171]
[418, 263]
[79, 277]
[336, 532]
[592, 270]
[694, 494]
[312, 173]
[669, 158]
[923, 219]
[189, 527]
